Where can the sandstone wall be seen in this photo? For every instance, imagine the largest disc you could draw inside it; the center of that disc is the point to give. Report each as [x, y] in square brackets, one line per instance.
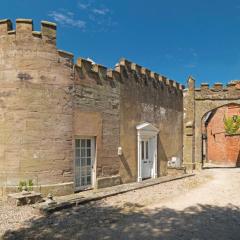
[109, 104]
[96, 114]
[148, 97]
[35, 108]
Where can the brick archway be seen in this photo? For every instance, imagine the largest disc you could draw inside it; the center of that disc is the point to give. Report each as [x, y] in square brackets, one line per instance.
[219, 147]
[197, 102]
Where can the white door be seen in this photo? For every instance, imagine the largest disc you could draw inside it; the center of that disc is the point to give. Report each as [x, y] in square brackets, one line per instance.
[84, 159]
[146, 158]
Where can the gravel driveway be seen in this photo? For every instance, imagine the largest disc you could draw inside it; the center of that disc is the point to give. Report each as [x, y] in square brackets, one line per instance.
[206, 206]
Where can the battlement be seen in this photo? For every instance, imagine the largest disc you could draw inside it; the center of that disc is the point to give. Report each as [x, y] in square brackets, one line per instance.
[218, 87]
[24, 30]
[145, 73]
[216, 91]
[125, 69]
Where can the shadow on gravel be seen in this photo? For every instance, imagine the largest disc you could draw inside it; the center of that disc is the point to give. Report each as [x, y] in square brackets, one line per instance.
[96, 222]
[218, 167]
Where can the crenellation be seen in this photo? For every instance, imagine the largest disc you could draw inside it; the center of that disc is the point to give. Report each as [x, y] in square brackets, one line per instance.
[24, 27]
[84, 64]
[154, 75]
[218, 86]
[5, 26]
[65, 54]
[204, 86]
[110, 74]
[167, 82]
[161, 79]
[48, 30]
[170, 82]
[126, 63]
[114, 75]
[126, 67]
[164, 80]
[175, 84]
[146, 72]
[101, 70]
[25, 31]
[231, 86]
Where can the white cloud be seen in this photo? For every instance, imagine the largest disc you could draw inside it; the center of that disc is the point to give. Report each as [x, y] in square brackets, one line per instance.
[83, 5]
[102, 11]
[67, 19]
[88, 15]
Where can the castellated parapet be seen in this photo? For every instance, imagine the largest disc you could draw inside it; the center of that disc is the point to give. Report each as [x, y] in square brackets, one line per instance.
[125, 70]
[218, 91]
[35, 108]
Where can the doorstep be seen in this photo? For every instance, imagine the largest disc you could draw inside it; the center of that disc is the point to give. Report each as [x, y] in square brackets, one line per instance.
[97, 194]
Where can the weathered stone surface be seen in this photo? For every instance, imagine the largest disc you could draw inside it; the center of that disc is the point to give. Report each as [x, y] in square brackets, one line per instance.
[108, 181]
[35, 108]
[146, 99]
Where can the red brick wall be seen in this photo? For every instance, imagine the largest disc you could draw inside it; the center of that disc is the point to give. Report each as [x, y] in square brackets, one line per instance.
[222, 149]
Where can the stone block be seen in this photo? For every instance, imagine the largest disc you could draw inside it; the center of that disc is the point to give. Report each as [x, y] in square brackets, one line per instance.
[108, 181]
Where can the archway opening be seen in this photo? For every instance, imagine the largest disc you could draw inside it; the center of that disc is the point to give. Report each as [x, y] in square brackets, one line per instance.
[221, 136]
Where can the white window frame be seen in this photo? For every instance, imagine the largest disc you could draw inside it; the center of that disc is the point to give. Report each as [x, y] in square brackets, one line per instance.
[93, 163]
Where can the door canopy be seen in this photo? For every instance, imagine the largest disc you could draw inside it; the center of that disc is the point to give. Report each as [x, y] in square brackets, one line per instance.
[147, 129]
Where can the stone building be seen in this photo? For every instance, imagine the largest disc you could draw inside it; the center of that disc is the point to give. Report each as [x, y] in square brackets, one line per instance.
[71, 126]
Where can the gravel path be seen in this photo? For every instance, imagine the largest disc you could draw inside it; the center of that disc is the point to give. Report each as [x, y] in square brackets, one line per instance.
[206, 206]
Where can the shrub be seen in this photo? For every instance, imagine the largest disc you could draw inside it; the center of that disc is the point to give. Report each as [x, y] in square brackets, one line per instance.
[232, 124]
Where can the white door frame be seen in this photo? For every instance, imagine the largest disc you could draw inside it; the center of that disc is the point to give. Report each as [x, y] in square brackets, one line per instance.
[147, 131]
[93, 163]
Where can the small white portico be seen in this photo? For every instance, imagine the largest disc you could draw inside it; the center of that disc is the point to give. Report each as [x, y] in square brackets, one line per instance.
[147, 151]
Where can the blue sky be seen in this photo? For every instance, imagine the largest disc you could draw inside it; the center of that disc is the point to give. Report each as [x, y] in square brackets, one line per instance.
[176, 38]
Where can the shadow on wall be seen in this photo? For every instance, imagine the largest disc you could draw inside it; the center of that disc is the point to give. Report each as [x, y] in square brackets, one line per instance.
[93, 221]
[162, 158]
[126, 165]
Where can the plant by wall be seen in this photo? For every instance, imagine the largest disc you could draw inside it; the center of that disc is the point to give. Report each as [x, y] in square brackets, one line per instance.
[232, 124]
[28, 184]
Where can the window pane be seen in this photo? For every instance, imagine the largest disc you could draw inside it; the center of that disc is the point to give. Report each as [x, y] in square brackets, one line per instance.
[83, 142]
[83, 171]
[83, 152]
[89, 170]
[89, 161]
[146, 149]
[89, 152]
[83, 181]
[83, 162]
[88, 180]
[142, 147]
[89, 143]
[77, 142]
